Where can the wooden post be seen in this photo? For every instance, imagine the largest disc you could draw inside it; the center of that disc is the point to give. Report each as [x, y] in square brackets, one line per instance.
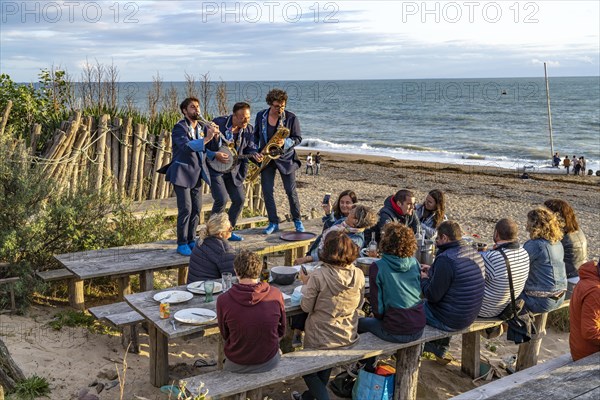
[75, 154]
[76, 294]
[408, 361]
[5, 115]
[528, 352]
[158, 162]
[159, 357]
[220, 353]
[135, 159]
[115, 150]
[125, 144]
[130, 338]
[146, 281]
[141, 164]
[182, 273]
[146, 179]
[100, 150]
[163, 187]
[124, 287]
[470, 359]
[35, 137]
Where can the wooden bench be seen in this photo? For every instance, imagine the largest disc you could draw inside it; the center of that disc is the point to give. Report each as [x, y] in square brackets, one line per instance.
[54, 274]
[558, 378]
[10, 282]
[122, 316]
[226, 385]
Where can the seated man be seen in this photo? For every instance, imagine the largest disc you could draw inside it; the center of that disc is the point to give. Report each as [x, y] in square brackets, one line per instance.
[251, 319]
[497, 289]
[453, 286]
[397, 208]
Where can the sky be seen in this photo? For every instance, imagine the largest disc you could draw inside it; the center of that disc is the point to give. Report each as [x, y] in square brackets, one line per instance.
[301, 40]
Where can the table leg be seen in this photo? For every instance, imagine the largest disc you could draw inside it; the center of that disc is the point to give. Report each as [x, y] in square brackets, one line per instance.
[182, 273]
[220, 353]
[146, 281]
[159, 357]
[124, 287]
[528, 352]
[408, 361]
[292, 254]
[76, 294]
[470, 359]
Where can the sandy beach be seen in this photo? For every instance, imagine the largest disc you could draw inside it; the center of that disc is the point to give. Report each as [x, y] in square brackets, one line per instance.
[71, 359]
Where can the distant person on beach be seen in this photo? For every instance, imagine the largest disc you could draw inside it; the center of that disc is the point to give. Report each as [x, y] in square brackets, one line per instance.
[574, 162]
[584, 318]
[556, 160]
[574, 241]
[340, 209]
[268, 121]
[453, 287]
[309, 164]
[214, 255]
[546, 284]
[583, 166]
[318, 158]
[567, 164]
[251, 317]
[497, 289]
[230, 185]
[187, 170]
[397, 208]
[331, 297]
[432, 212]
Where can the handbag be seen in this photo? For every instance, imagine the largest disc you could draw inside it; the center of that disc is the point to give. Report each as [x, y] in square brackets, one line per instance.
[520, 327]
[342, 384]
[371, 386]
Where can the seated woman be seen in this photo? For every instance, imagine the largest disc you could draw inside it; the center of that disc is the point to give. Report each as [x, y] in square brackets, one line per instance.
[215, 255]
[360, 218]
[251, 319]
[547, 281]
[340, 210]
[432, 212]
[574, 241]
[332, 296]
[395, 291]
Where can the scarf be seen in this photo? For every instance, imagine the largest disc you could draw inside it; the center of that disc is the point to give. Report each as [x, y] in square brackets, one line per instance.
[396, 207]
[265, 122]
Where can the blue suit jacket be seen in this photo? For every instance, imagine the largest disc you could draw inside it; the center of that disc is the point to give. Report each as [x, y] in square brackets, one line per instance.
[187, 166]
[288, 162]
[246, 146]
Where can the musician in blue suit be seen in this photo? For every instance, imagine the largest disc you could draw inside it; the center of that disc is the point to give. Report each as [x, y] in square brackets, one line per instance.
[187, 170]
[267, 123]
[230, 185]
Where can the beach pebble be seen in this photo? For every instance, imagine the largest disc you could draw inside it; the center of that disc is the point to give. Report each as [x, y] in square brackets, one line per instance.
[108, 373]
[99, 388]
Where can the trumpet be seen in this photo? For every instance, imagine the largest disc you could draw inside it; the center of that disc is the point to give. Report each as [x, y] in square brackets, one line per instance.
[270, 152]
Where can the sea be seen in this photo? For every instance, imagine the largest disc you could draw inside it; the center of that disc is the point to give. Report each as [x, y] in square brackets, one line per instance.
[500, 122]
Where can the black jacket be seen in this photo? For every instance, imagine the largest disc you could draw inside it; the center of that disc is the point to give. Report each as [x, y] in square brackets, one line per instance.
[210, 259]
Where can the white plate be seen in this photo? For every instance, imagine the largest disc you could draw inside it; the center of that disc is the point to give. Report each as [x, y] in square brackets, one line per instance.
[366, 260]
[188, 316]
[173, 296]
[198, 287]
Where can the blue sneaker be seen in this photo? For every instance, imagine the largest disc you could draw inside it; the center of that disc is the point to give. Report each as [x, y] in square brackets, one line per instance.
[298, 225]
[235, 238]
[271, 228]
[192, 244]
[184, 250]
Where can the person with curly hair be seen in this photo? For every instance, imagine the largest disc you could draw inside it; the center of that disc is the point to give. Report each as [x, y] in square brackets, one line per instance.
[432, 212]
[268, 121]
[546, 284]
[574, 241]
[340, 209]
[395, 289]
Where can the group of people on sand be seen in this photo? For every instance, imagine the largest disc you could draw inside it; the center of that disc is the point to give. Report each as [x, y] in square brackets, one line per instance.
[313, 161]
[461, 284]
[577, 163]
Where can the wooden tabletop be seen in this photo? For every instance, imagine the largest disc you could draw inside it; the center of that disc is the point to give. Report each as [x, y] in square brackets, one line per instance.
[145, 304]
[137, 258]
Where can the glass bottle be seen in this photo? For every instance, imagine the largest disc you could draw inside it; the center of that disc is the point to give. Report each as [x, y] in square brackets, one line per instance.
[372, 248]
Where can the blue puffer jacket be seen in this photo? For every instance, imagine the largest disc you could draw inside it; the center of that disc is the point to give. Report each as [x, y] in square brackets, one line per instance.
[210, 259]
[455, 286]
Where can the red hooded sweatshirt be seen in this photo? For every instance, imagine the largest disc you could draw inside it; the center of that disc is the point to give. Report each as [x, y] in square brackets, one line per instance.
[251, 321]
[584, 311]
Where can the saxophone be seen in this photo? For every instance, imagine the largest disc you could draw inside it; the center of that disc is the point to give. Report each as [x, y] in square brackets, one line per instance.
[270, 152]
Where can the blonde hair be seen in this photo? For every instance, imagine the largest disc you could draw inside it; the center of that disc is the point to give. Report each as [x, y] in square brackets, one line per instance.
[365, 216]
[543, 224]
[216, 224]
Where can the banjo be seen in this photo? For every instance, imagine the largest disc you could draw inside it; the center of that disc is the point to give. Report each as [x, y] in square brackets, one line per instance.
[234, 158]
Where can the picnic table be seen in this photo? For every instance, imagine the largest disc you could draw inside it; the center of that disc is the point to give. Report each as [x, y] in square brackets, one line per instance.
[144, 259]
[160, 331]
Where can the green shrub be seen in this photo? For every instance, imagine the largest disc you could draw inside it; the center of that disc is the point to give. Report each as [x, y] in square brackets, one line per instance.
[31, 388]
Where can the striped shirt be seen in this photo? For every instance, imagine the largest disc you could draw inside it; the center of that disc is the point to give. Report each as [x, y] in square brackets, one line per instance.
[497, 289]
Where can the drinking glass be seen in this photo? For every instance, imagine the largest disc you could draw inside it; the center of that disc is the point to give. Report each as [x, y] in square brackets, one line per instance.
[209, 286]
[226, 279]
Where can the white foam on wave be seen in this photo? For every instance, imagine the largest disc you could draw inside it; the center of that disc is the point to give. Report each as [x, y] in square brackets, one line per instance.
[437, 156]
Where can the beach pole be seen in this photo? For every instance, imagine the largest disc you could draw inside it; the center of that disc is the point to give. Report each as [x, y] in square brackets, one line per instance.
[549, 113]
